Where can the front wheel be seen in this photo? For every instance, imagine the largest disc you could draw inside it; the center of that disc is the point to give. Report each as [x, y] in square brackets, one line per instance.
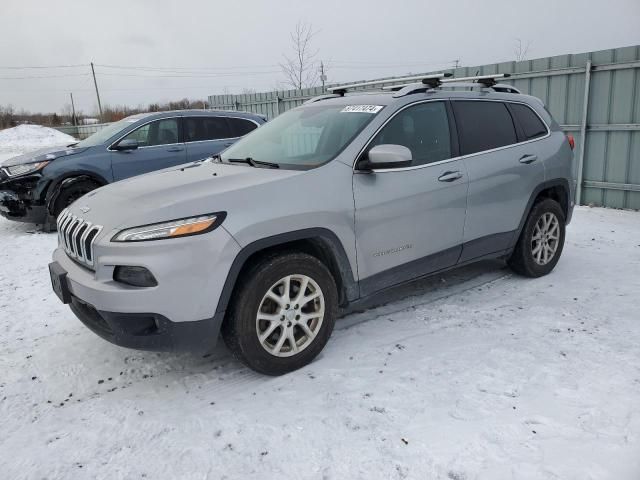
[541, 241]
[283, 313]
[71, 193]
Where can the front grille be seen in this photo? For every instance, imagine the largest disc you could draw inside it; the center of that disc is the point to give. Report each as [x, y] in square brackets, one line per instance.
[76, 237]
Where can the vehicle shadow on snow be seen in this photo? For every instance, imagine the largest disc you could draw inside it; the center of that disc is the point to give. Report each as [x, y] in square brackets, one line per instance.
[13, 227]
[220, 363]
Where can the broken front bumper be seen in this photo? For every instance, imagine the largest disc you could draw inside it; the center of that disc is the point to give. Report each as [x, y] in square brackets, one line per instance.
[19, 200]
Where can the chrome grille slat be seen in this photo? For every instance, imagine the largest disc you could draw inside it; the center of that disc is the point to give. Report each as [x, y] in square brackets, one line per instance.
[83, 247]
[70, 229]
[64, 230]
[73, 237]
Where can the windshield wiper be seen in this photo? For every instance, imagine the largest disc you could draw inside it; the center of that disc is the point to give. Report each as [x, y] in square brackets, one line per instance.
[253, 163]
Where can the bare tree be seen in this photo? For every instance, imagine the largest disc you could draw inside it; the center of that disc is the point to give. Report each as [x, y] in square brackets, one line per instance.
[301, 70]
[521, 49]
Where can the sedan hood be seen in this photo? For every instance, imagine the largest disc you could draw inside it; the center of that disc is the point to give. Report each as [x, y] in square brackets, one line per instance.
[173, 193]
[42, 155]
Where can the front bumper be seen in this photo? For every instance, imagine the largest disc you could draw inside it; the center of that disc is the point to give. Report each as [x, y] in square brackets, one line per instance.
[21, 198]
[148, 331]
[177, 314]
[13, 207]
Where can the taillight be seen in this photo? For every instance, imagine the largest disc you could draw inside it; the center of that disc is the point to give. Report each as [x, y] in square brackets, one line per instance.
[572, 142]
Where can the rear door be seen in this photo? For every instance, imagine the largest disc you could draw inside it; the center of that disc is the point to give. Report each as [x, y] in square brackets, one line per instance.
[160, 146]
[503, 169]
[409, 221]
[206, 136]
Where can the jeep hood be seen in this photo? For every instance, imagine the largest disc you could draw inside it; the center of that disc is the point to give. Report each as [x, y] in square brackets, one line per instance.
[168, 194]
[42, 155]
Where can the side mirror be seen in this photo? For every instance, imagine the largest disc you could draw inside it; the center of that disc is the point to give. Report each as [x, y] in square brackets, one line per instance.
[127, 144]
[387, 156]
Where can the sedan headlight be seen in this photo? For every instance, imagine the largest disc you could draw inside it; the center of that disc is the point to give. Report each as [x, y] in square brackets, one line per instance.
[25, 168]
[176, 228]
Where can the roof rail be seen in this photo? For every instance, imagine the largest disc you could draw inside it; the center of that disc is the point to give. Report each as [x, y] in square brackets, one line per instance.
[321, 97]
[486, 80]
[430, 80]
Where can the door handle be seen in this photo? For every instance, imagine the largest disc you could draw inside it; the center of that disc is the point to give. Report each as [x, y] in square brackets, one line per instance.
[528, 159]
[175, 149]
[450, 176]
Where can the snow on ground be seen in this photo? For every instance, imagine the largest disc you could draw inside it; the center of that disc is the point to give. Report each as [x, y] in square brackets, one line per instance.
[476, 374]
[23, 138]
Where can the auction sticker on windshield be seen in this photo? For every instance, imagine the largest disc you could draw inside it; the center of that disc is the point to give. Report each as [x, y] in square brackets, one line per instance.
[361, 109]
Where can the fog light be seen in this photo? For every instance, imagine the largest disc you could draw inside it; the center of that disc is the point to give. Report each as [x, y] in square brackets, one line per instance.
[134, 276]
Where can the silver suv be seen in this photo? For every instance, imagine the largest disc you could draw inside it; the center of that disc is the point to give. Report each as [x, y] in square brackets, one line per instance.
[324, 206]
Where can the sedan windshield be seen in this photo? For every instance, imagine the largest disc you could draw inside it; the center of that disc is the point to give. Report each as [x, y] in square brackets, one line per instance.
[107, 132]
[302, 138]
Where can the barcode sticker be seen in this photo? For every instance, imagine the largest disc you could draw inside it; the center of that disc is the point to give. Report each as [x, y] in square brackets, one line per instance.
[361, 109]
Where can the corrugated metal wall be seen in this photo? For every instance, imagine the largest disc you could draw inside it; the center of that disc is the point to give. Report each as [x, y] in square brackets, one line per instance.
[611, 154]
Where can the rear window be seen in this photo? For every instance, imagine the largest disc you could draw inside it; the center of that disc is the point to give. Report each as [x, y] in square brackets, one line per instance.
[197, 129]
[483, 125]
[530, 123]
[240, 127]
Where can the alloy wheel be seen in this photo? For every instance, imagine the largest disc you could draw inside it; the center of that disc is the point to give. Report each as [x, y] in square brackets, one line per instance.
[545, 238]
[290, 315]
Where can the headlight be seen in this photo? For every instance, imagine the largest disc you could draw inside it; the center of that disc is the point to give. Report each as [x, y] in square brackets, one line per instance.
[25, 168]
[175, 228]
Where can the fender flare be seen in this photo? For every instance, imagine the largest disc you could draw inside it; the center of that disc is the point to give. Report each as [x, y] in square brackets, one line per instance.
[328, 239]
[556, 182]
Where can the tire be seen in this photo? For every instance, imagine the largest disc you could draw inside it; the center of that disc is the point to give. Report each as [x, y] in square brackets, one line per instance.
[541, 240]
[286, 344]
[70, 194]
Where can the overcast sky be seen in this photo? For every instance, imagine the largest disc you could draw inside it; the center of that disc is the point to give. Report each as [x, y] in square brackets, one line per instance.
[196, 48]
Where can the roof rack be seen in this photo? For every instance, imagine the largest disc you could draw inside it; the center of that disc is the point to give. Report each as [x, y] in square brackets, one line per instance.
[486, 81]
[429, 80]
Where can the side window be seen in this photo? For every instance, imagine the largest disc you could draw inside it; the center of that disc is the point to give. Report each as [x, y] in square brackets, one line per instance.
[483, 125]
[423, 129]
[531, 124]
[160, 132]
[240, 127]
[197, 129]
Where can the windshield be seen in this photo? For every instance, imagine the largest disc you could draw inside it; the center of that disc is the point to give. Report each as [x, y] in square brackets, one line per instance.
[305, 137]
[107, 132]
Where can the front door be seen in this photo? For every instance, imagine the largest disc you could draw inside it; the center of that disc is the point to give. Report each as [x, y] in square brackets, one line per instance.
[409, 221]
[160, 146]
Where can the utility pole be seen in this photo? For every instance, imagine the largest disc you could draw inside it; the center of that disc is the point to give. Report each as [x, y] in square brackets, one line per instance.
[73, 111]
[457, 63]
[97, 94]
[323, 77]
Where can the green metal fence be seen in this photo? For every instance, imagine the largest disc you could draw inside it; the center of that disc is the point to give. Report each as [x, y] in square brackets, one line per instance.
[81, 131]
[594, 96]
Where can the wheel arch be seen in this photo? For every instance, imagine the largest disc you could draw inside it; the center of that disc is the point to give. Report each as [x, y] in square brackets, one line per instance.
[68, 179]
[557, 189]
[318, 242]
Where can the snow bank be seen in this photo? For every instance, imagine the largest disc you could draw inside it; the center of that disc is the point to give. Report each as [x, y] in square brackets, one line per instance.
[24, 138]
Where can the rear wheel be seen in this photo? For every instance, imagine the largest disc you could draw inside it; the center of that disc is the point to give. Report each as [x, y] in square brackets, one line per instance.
[541, 241]
[283, 313]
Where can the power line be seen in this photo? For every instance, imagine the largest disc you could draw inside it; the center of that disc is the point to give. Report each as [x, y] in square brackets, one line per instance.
[42, 67]
[31, 77]
[194, 69]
